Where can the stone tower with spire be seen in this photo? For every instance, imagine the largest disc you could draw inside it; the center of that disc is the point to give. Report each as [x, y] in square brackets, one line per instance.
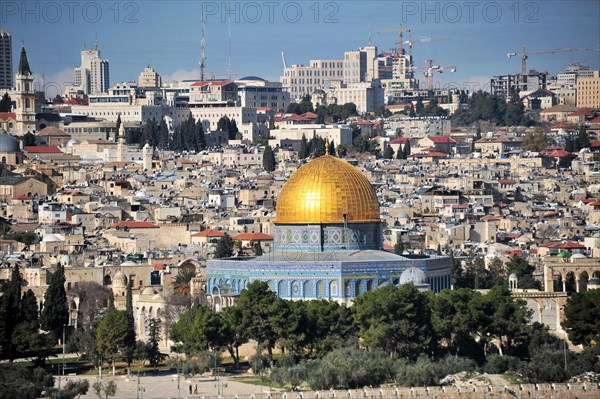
[24, 96]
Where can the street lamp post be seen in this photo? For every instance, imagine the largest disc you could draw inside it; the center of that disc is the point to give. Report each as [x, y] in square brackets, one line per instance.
[63, 350]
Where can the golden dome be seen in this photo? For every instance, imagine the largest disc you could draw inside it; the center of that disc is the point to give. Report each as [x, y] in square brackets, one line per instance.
[325, 189]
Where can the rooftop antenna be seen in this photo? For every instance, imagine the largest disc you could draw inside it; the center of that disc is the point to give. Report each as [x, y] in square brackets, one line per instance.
[229, 39]
[283, 58]
[369, 31]
[202, 57]
[96, 41]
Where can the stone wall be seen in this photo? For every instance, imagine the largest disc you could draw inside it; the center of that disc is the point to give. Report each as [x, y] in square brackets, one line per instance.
[529, 391]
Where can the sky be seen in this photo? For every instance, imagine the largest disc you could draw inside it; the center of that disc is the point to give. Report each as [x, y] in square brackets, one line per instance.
[166, 35]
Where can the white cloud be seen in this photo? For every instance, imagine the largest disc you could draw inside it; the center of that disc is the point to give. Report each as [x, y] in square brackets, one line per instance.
[181, 74]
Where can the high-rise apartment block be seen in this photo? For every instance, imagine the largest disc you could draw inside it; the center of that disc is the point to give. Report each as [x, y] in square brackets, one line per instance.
[588, 91]
[149, 78]
[92, 77]
[6, 71]
[504, 85]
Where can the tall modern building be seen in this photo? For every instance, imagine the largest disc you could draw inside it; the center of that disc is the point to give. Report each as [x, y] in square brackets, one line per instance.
[92, 77]
[6, 71]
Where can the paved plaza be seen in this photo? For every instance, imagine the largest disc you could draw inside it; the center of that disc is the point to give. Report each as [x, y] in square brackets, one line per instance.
[164, 386]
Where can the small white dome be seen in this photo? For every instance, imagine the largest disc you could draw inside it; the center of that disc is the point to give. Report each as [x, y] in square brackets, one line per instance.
[51, 238]
[148, 291]
[72, 142]
[578, 256]
[129, 263]
[414, 276]
[512, 276]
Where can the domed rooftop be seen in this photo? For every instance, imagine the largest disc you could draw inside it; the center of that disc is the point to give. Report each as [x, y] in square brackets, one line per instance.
[119, 280]
[8, 143]
[414, 276]
[252, 78]
[323, 191]
[51, 238]
[594, 282]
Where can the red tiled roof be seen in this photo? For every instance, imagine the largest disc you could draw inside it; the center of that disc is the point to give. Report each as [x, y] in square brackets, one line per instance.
[8, 115]
[253, 237]
[441, 140]
[77, 101]
[42, 149]
[563, 245]
[559, 153]
[399, 140]
[22, 197]
[134, 225]
[490, 218]
[52, 131]
[364, 123]
[209, 233]
[596, 120]
[550, 214]
[513, 235]
[310, 115]
[582, 112]
[507, 181]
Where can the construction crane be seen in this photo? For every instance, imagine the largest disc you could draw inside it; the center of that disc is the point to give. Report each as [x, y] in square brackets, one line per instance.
[400, 34]
[524, 55]
[429, 69]
[410, 41]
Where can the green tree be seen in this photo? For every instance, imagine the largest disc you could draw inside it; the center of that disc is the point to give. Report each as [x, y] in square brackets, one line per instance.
[17, 381]
[105, 389]
[224, 248]
[71, 390]
[535, 140]
[10, 312]
[5, 103]
[235, 335]
[457, 318]
[508, 318]
[396, 320]
[28, 139]
[269, 162]
[400, 152]
[154, 355]
[304, 151]
[259, 306]
[329, 326]
[419, 107]
[113, 336]
[258, 251]
[55, 313]
[583, 139]
[582, 314]
[198, 330]
[407, 149]
[524, 271]
[388, 153]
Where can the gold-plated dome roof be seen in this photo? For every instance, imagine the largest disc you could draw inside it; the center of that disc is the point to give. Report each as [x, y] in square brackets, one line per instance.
[325, 189]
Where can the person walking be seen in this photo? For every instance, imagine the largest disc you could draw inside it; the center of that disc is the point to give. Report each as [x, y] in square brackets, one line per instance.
[190, 389]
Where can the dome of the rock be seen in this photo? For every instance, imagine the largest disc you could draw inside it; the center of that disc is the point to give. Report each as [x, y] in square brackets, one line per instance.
[323, 191]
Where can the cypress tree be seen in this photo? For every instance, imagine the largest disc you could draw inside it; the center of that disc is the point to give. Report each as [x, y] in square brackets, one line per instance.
[400, 153]
[55, 313]
[388, 153]
[407, 149]
[224, 247]
[303, 152]
[10, 312]
[269, 159]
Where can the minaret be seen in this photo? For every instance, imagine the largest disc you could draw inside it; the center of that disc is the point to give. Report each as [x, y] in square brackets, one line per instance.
[147, 157]
[24, 96]
[121, 147]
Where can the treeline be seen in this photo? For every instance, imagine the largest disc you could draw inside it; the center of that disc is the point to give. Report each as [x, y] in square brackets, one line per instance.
[483, 106]
[315, 147]
[188, 135]
[394, 334]
[329, 113]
